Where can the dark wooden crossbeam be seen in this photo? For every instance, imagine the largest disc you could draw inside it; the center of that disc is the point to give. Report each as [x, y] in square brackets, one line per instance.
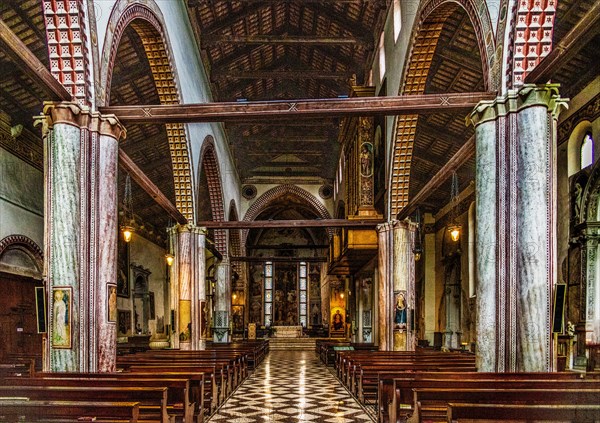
[463, 154]
[284, 74]
[316, 223]
[147, 185]
[278, 259]
[211, 40]
[23, 58]
[286, 247]
[294, 109]
[577, 38]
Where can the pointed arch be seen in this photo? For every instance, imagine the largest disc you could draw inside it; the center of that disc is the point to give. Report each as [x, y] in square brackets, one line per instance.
[274, 194]
[147, 21]
[210, 165]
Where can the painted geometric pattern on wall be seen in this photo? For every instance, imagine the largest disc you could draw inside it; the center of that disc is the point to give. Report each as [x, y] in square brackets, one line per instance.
[291, 386]
[533, 38]
[162, 72]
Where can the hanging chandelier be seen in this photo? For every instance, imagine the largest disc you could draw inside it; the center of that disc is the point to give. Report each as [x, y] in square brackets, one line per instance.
[128, 220]
[454, 227]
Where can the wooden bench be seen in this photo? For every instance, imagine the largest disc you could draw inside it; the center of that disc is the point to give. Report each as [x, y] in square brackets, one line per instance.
[401, 405]
[181, 401]
[461, 412]
[432, 403]
[152, 401]
[67, 411]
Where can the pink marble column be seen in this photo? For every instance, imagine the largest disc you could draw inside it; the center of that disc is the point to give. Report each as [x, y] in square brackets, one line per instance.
[516, 228]
[187, 284]
[80, 177]
[385, 288]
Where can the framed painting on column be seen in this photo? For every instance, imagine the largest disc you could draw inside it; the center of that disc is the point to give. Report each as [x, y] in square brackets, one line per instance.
[61, 316]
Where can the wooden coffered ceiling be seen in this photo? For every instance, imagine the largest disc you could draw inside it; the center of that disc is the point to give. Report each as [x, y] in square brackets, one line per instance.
[278, 50]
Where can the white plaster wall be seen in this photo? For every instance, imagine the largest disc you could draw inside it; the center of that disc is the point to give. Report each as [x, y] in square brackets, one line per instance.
[152, 257]
[21, 199]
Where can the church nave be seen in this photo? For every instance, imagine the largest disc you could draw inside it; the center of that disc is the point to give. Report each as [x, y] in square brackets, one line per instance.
[291, 386]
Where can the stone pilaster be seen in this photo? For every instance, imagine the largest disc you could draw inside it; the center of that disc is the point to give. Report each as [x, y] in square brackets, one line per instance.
[516, 228]
[80, 177]
[396, 286]
[588, 327]
[222, 302]
[187, 284]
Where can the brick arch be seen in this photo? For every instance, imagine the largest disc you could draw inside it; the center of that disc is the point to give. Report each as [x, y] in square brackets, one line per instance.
[274, 194]
[25, 243]
[425, 36]
[146, 19]
[210, 164]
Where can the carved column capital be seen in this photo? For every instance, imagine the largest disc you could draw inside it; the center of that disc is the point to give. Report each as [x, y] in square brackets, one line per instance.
[74, 114]
[515, 100]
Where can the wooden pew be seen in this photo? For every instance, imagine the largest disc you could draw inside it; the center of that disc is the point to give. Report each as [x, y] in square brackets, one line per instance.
[67, 411]
[461, 412]
[214, 391]
[432, 403]
[199, 382]
[401, 406]
[181, 401]
[152, 401]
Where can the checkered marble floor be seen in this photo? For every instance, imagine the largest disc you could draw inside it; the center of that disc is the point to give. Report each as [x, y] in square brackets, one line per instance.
[291, 386]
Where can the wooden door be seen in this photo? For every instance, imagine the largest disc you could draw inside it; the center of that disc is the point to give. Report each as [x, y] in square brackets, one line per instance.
[18, 321]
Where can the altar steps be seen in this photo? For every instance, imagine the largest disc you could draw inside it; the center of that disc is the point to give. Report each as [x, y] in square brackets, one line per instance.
[292, 343]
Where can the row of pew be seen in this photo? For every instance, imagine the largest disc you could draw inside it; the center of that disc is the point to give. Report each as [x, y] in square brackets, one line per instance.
[434, 386]
[165, 386]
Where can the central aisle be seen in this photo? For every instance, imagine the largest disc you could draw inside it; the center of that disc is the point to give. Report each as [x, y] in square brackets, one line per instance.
[291, 386]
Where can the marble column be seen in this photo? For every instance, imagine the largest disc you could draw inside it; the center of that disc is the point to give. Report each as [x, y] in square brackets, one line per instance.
[588, 326]
[187, 284]
[396, 286]
[80, 219]
[222, 331]
[516, 228]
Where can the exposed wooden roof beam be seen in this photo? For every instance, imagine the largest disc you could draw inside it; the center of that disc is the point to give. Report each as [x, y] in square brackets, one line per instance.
[577, 38]
[211, 40]
[311, 223]
[284, 74]
[354, 27]
[463, 155]
[31, 65]
[147, 185]
[277, 259]
[286, 247]
[294, 109]
[230, 19]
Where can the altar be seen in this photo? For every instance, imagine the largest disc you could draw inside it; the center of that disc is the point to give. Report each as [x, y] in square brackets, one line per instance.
[287, 331]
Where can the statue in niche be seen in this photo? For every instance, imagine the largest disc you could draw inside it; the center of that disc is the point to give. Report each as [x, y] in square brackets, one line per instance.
[366, 160]
[577, 200]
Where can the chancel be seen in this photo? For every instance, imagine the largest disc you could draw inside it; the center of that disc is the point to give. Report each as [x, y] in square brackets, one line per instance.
[204, 204]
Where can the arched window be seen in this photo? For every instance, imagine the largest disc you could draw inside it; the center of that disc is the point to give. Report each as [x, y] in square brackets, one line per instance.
[381, 56]
[397, 20]
[587, 150]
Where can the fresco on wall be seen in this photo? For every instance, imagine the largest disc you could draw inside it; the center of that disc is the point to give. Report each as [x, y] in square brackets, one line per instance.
[314, 295]
[256, 290]
[285, 301]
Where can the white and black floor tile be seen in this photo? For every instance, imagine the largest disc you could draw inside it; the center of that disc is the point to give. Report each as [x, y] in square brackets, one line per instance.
[291, 386]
